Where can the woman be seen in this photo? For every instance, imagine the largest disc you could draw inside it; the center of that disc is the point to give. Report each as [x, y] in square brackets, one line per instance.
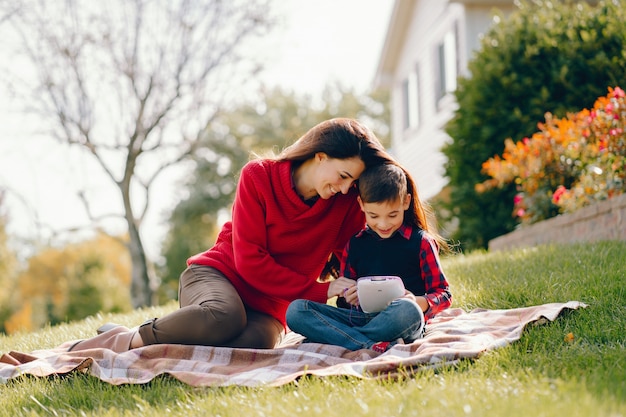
[291, 215]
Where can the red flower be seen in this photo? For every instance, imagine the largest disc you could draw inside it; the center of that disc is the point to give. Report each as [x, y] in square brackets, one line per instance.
[618, 93]
[556, 196]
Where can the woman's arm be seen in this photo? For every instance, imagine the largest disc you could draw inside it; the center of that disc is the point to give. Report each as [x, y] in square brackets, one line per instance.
[253, 261]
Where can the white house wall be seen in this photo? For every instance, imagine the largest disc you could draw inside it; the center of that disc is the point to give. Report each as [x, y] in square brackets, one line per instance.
[419, 148]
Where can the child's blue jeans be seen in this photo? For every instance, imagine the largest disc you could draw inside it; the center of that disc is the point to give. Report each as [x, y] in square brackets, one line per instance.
[352, 328]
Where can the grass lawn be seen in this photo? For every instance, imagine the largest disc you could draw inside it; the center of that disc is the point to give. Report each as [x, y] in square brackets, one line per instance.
[543, 374]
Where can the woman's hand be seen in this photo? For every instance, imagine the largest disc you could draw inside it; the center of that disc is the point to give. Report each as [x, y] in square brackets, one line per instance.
[341, 286]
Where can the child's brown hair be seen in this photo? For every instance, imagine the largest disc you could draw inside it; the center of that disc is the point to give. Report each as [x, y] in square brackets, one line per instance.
[390, 182]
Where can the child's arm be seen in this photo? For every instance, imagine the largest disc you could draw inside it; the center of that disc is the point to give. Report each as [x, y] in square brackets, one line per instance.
[438, 296]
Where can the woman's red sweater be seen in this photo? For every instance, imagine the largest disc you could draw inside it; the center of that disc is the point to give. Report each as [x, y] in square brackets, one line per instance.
[276, 246]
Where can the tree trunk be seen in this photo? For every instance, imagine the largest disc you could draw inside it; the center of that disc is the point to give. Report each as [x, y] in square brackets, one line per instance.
[140, 287]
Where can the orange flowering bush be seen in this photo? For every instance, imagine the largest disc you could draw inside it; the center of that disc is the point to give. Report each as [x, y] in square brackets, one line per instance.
[569, 163]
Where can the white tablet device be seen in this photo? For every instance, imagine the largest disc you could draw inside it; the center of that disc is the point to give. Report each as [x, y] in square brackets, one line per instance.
[376, 292]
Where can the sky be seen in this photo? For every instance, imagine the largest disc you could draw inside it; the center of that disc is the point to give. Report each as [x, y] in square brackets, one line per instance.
[322, 41]
[328, 40]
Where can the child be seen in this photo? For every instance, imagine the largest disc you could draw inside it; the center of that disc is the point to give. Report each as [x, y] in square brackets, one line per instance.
[396, 241]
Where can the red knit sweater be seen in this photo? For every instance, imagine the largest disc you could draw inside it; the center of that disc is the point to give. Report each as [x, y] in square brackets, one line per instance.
[275, 247]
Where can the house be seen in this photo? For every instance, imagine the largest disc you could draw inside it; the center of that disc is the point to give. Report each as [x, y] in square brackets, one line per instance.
[427, 46]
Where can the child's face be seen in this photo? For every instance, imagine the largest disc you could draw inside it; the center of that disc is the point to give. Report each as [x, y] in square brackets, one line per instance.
[385, 217]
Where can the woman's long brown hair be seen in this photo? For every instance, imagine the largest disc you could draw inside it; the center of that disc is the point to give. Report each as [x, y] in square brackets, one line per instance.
[420, 213]
[339, 138]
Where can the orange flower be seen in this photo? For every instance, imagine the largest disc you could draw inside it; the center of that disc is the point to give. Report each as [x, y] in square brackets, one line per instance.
[584, 152]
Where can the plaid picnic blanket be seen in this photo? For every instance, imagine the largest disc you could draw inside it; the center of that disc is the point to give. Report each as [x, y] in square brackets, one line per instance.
[451, 336]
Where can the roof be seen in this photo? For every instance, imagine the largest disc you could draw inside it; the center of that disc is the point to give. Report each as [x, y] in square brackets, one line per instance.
[392, 47]
[398, 25]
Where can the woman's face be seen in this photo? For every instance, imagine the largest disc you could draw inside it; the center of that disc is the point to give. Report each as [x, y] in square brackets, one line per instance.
[336, 175]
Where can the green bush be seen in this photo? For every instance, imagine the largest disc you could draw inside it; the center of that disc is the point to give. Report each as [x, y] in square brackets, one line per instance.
[546, 56]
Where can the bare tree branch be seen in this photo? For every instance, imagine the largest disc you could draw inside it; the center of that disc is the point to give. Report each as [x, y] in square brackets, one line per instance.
[133, 83]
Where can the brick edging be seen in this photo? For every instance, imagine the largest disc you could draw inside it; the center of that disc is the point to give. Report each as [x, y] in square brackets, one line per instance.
[605, 220]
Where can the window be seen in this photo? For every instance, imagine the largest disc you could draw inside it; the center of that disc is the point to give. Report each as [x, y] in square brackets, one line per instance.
[448, 64]
[406, 111]
[411, 100]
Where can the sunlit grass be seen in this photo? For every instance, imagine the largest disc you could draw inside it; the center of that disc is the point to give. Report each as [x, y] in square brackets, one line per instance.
[543, 374]
[52, 336]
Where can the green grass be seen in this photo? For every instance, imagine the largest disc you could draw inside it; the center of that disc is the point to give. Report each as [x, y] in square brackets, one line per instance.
[540, 375]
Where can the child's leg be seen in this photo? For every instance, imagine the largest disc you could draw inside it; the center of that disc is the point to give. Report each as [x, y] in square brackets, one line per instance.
[323, 323]
[403, 319]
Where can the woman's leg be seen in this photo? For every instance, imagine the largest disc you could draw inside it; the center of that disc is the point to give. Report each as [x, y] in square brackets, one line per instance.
[262, 331]
[211, 313]
[322, 323]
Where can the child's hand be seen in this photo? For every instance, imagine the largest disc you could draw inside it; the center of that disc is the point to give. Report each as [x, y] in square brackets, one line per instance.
[351, 295]
[409, 295]
[420, 300]
[341, 285]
